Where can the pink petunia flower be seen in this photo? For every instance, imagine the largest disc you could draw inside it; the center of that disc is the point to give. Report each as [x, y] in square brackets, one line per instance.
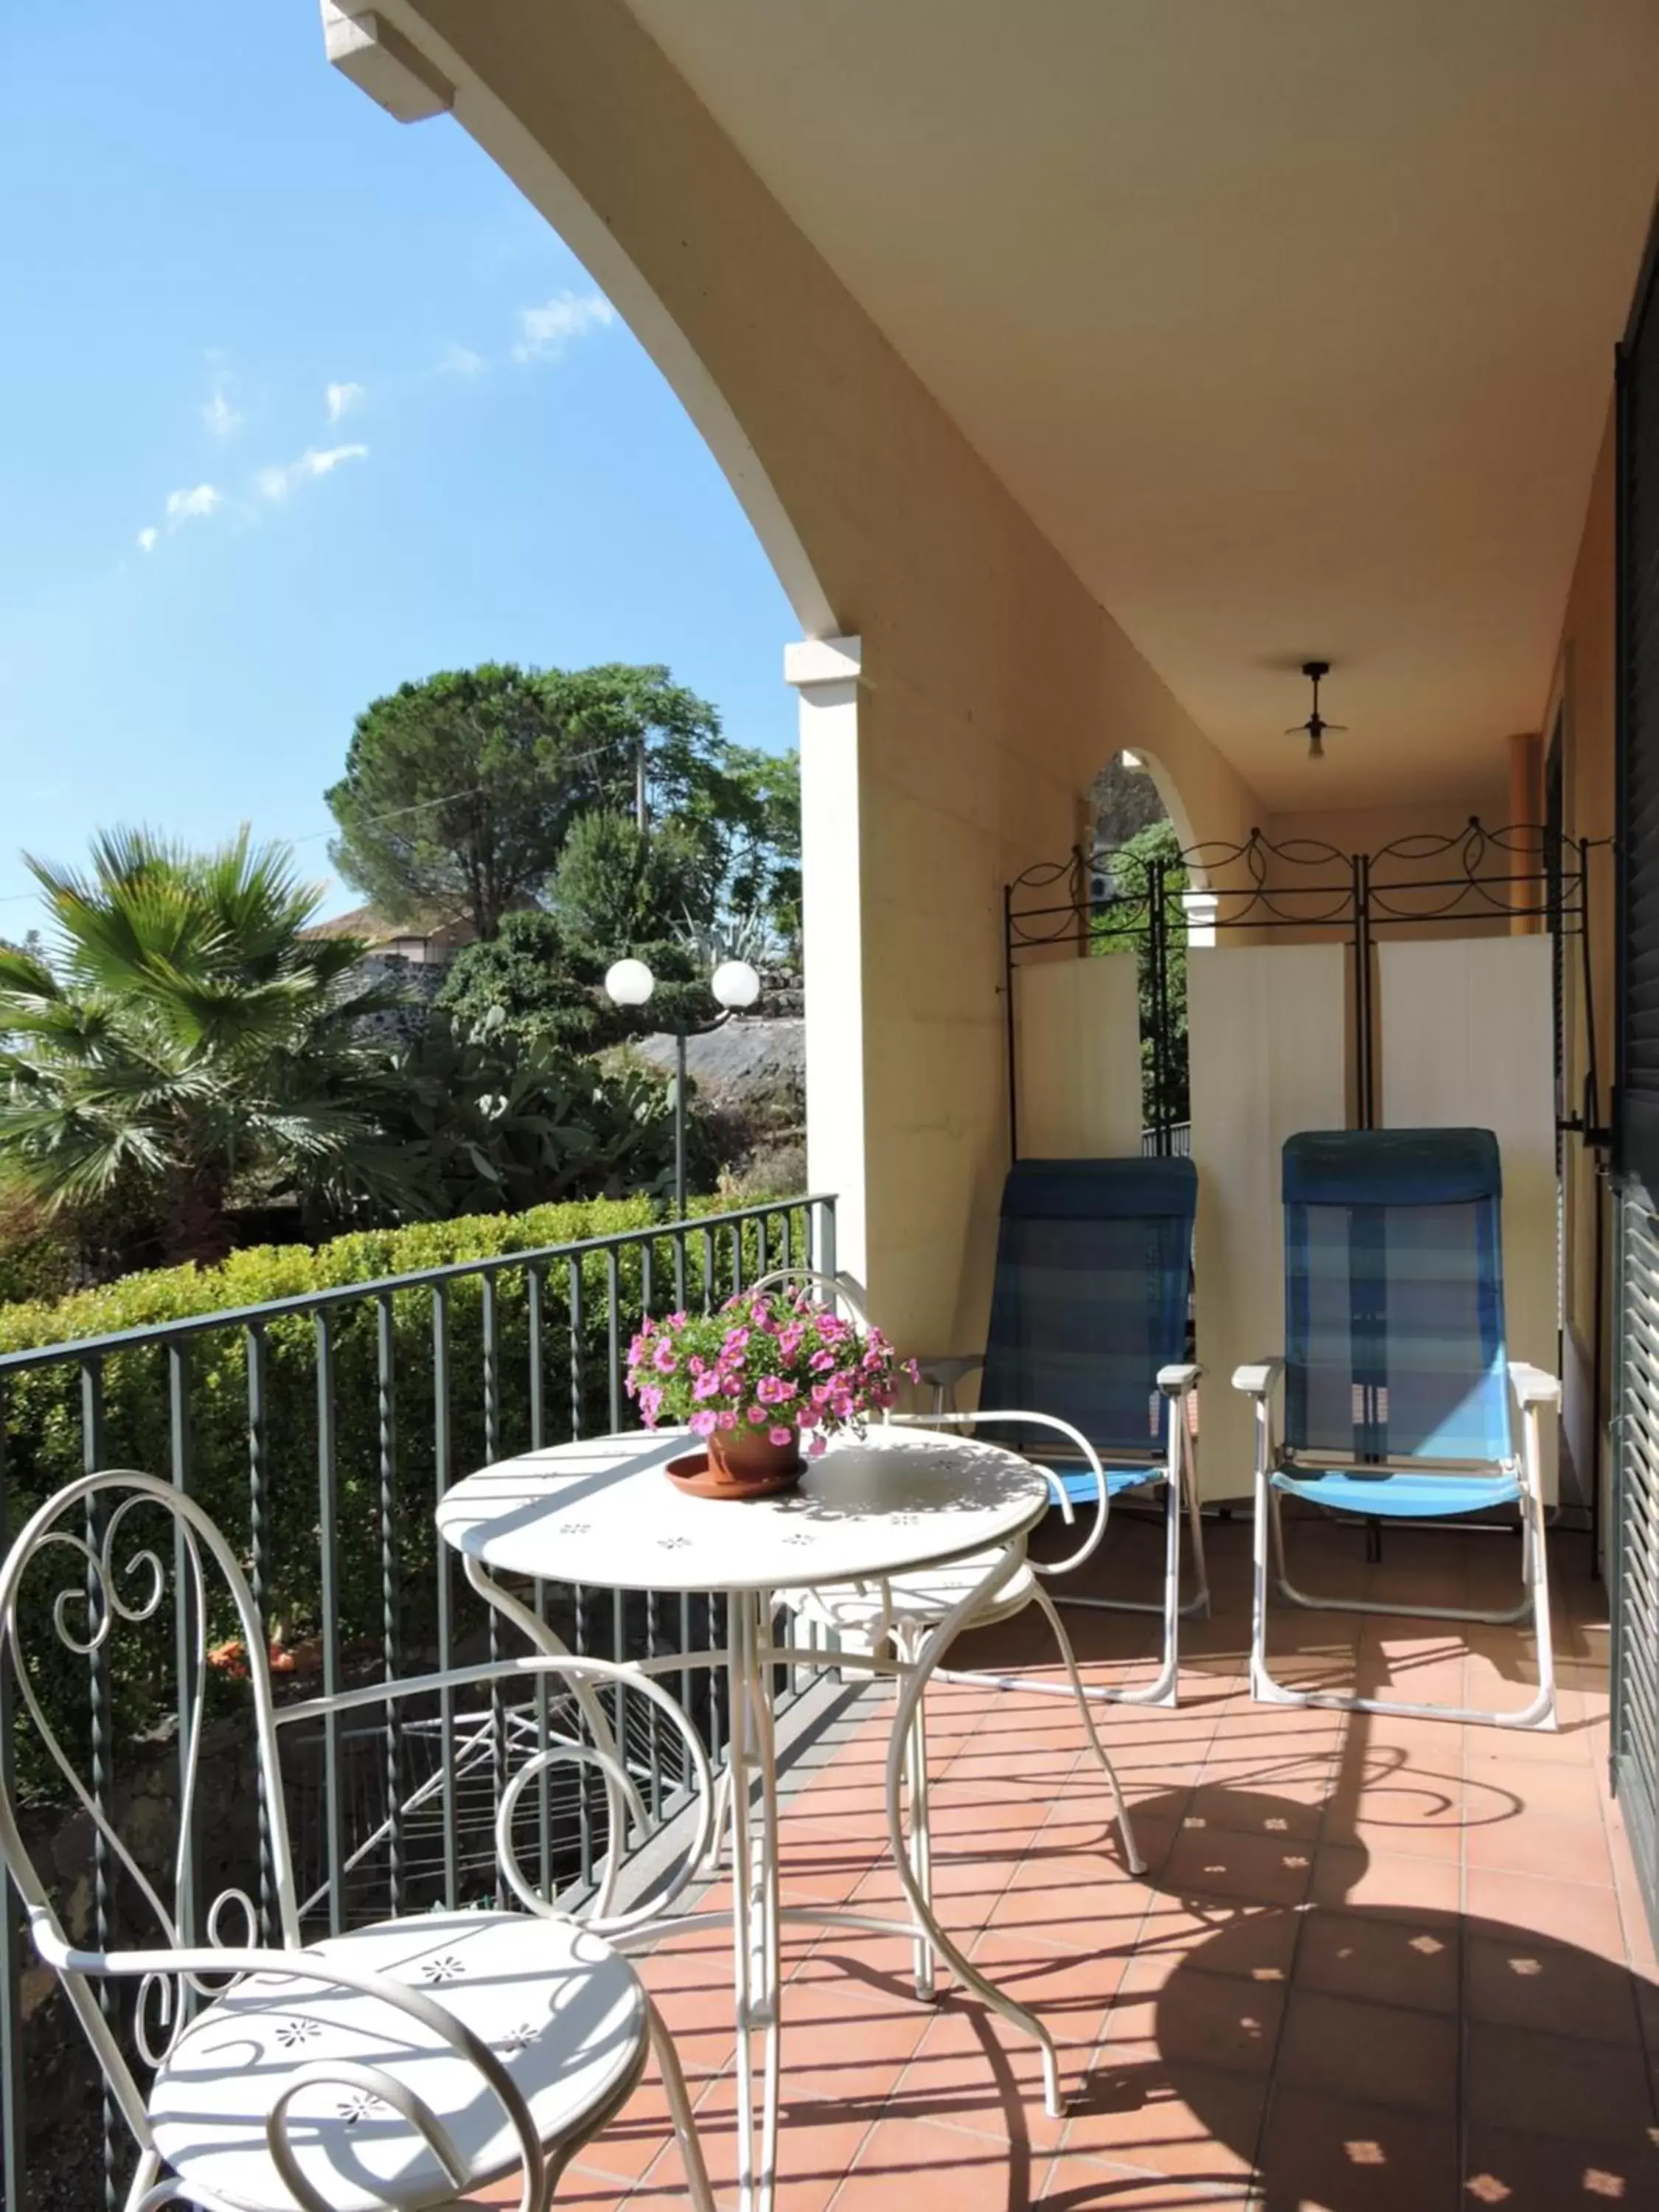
[817, 1446]
[779, 1436]
[704, 1423]
[774, 1390]
[663, 1359]
[650, 1404]
[707, 1385]
[822, 1361]
[758, 1417]
[728, 1419]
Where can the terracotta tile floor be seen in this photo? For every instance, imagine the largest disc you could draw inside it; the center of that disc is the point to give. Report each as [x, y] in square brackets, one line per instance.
[1374, 1963]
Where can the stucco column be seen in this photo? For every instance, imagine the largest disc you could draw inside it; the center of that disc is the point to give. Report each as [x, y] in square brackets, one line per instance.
[825, 674]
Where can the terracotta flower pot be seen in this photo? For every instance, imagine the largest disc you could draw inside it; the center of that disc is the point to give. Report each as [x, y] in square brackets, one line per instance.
[739, 1464]
[746, 1455]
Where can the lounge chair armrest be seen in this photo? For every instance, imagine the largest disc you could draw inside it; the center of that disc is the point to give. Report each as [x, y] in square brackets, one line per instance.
[1531, 1386]
[943, 1370]
[1176, 1382]
[1259, 1379]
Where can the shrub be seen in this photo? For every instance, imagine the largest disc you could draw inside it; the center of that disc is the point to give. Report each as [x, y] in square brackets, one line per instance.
[386, 1472]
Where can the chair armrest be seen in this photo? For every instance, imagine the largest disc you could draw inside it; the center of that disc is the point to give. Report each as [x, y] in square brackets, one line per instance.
[943, 1370]
[1259, 1379]
[1531, 1386]
[1176, 1382]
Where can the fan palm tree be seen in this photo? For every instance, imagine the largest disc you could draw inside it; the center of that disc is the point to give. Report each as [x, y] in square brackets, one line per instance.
[186, 1041]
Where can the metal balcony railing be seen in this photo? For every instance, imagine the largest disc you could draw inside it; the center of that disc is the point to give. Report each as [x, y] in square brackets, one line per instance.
[319, 1431]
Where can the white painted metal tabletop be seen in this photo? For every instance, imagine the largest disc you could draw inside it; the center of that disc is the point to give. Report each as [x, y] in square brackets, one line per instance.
[603, 1511]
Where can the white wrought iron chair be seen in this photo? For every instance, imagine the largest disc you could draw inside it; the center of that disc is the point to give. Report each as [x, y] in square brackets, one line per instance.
[1397, 1380]
[391, 2067]
[900, 1612]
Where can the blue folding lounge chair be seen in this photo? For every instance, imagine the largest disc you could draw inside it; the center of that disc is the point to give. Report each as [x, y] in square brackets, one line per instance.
[1396, 1383]
[1089, 1327]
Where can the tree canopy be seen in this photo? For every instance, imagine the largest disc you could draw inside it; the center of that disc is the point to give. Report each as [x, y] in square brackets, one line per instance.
[460, 792]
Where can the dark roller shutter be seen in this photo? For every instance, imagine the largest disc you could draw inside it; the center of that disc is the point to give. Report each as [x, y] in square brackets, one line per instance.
[1636, 1458]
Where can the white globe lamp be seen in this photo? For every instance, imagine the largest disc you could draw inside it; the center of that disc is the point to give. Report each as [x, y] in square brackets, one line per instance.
[628, 983]
[735, 984]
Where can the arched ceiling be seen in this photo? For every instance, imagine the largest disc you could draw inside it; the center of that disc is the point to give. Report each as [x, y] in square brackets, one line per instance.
[1291, 322]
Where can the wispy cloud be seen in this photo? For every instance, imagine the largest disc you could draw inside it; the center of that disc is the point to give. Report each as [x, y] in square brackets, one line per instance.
[548, 331]
[220, 413]
[190, 506]
[341, 398]
[277, 483]
[193, 503]
[460, 360]
[222, 420]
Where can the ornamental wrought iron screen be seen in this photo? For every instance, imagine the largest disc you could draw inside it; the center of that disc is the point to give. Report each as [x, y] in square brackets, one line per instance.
[1299, 889]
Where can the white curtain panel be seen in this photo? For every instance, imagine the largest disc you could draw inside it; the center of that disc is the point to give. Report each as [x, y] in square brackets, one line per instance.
[1078, 1032]
[1268, 1029]
[1468, 1041]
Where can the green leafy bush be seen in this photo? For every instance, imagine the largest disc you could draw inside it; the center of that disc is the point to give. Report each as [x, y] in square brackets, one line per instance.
[393, 1452]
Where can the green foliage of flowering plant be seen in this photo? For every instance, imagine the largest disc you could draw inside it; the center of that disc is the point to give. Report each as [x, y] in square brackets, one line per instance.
[773, 1362]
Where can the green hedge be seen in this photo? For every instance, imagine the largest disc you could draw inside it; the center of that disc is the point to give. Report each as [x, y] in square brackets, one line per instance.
[43, 1427]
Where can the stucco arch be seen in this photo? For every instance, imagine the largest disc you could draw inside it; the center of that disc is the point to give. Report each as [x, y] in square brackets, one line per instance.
[954, 740]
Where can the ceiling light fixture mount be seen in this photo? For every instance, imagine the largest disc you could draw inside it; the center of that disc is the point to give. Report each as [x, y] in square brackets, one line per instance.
[1315, 729]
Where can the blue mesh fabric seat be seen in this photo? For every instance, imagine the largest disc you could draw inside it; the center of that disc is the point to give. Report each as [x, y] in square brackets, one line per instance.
[1088, 1327]
[1397, 1384]
[1394, 1318]
[1090, 1306]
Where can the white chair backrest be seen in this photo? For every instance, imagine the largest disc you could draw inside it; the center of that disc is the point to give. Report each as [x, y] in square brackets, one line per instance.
[840, 1289]
[97, 1575]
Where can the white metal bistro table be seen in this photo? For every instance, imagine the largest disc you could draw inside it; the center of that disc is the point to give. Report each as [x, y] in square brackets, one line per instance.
[603, 1512]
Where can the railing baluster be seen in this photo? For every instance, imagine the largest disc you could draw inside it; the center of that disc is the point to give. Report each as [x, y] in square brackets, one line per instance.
[653, 1744]
[613, 1337]
[584, 1814]
[385, 1389]
[14, 1945]
[685, 1647]
[578, 1379]
[442, 1451]
[257, 1351]
[710, 1298]
[679, 1270]
[534, 1289]
[184, 1627]
[492, 1444]
[328, 1511]
[98, 1691]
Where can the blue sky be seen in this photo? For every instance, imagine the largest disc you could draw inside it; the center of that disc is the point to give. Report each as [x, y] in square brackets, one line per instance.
[209, 561]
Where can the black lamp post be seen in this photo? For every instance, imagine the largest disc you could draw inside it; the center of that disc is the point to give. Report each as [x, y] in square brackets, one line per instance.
[734, 984]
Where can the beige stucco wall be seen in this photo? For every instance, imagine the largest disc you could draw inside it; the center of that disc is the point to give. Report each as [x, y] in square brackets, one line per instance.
[1583, 691]
[992, 685]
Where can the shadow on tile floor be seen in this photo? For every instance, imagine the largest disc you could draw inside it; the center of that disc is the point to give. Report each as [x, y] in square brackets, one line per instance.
[1376, 1966]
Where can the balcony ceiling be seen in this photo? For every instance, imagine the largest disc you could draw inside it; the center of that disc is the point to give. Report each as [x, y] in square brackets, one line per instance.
[1290, 323]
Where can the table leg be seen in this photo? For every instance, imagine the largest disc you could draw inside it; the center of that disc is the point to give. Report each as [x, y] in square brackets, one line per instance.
[754, 1895]
[910, 1855]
